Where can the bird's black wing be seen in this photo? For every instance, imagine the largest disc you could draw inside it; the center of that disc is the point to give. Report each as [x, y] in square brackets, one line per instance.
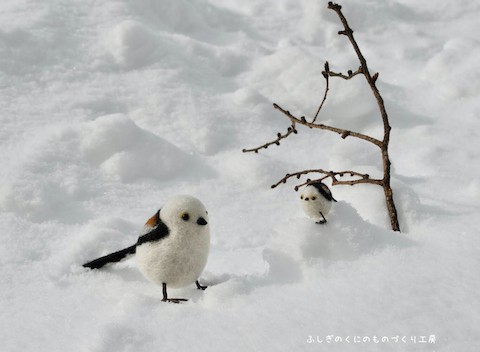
[157, 233]
[324, 190]
[110, 258]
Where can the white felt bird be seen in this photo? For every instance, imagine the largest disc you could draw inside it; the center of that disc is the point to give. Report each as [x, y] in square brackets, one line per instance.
[316, 200]
[174, 247]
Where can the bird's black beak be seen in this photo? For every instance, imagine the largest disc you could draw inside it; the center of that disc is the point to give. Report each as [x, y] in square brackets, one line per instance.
[202, 221]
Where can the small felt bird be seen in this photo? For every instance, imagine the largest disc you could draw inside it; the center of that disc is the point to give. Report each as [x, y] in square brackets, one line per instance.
[174, 247]
[316, 200]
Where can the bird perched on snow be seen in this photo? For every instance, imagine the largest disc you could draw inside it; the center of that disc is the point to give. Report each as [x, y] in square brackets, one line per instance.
[317, 201]
[174, 247]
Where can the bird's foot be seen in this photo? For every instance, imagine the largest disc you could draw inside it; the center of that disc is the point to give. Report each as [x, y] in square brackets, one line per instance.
[323, 221]
[200, 287]
[174, 300]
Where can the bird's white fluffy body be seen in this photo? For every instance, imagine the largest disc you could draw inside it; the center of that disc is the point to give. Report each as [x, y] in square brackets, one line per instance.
[314, 203]
[179, 258]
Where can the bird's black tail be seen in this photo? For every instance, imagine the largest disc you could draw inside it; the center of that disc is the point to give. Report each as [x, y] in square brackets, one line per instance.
[110, 258]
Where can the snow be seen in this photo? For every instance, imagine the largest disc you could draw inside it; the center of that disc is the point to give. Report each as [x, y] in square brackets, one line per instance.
[109, 108]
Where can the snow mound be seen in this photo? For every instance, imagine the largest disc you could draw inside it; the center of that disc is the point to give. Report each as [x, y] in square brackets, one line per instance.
[300, 242]
[193, 18]
[350, 103]
[183, 35]
[444, 68]
[125, 151]
[94, 239]
[247, 171]
[132, 44]
[26, 50]
[58, 178]
[249, 97]
[54, 183]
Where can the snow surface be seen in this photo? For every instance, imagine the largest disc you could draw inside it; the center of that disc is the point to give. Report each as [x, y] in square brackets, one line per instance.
[110, 107]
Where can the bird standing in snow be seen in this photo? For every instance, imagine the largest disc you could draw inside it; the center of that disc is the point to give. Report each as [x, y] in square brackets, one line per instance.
[317, 201]
[174, 248]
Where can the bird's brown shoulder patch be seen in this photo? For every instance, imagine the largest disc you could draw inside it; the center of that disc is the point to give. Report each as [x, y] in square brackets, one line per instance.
[153, 221]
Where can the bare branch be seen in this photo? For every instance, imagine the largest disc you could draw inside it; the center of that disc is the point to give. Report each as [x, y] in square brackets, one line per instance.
[356, 182]
[342, 182]
[371, 80]
[355, 177]
[325, 74]
[351, 74]
[341, 132]
[363, 178]
[299, 174]
[392, 211]
[280, 136]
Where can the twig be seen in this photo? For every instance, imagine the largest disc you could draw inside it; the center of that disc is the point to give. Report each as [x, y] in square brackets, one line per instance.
[351, 74]
[325, 74]
[280, 136]
[343, 133]
[299, 174]
[364, 178]
[336, 182]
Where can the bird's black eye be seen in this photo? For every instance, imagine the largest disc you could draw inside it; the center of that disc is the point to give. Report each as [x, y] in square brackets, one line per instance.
[185, 216]
[313, 198]
[301, 197]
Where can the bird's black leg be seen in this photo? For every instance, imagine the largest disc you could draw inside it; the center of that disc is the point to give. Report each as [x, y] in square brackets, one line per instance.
[322, 221]
[165, 296]
[200, 287]
[173, 300]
